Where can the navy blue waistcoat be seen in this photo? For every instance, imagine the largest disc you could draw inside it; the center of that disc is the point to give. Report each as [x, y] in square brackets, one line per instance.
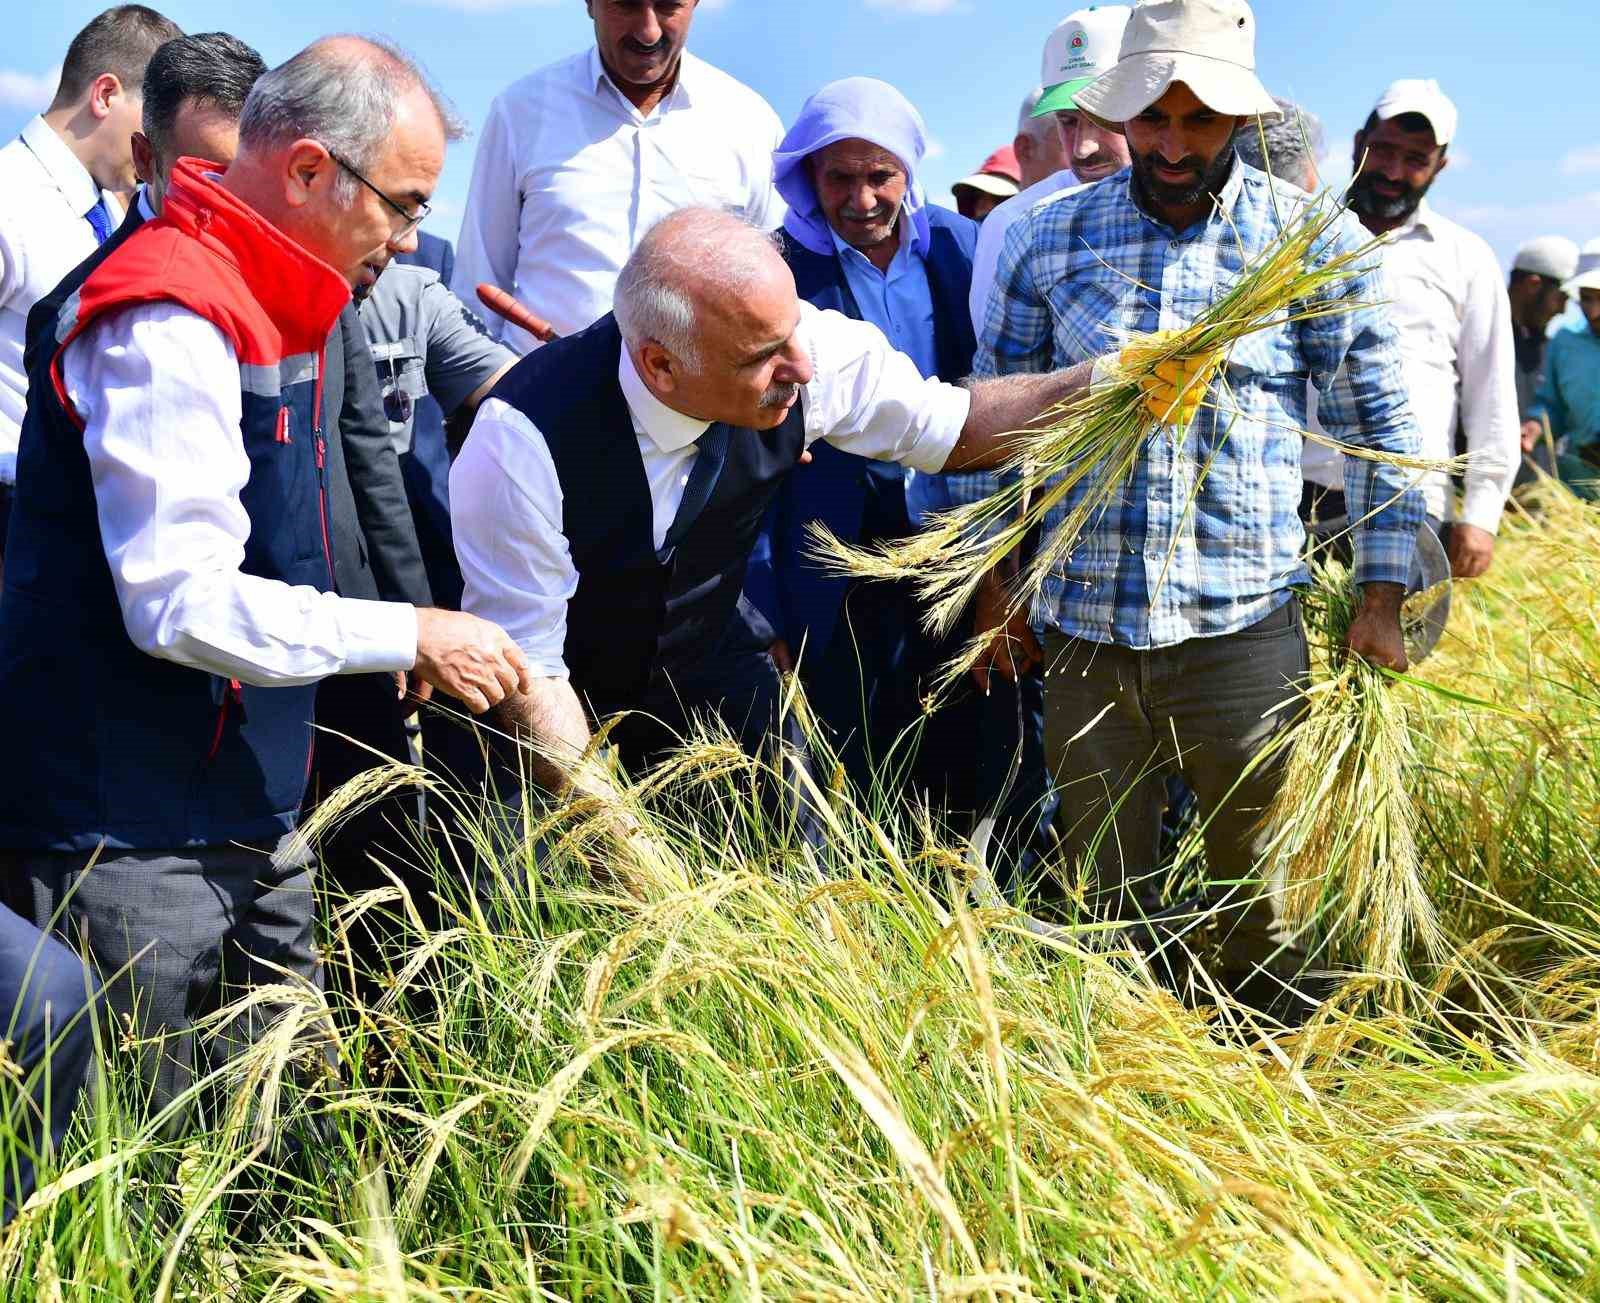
[637, 620]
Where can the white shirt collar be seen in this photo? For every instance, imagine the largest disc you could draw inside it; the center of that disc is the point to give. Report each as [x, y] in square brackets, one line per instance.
[670, 431]
[680, 96]
[61, 164]
[143, 202]
[1420, 221]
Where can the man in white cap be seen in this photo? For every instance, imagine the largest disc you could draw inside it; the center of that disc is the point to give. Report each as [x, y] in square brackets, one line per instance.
[1172, 633]
[1538, 297]
[1449, 303]
[1569, 399]
[1083, 45]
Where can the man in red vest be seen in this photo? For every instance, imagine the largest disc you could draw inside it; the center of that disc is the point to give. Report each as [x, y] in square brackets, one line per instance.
[170, 601]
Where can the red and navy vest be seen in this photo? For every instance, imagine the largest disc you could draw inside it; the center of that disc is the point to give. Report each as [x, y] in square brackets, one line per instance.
[102, 741]
[637, 620]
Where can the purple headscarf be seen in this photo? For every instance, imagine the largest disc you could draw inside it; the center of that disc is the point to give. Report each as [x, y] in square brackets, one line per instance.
[856, 108]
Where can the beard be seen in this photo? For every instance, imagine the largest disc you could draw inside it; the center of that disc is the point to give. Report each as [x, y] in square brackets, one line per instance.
[1208, 178]
[1367, 202]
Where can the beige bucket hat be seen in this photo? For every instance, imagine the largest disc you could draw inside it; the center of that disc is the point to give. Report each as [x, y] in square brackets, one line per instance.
[1208, 45]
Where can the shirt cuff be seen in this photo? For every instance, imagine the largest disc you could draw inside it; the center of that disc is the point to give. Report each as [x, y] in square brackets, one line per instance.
[1482, 504]
[542, 663]
[1383, 556]
[378, 636]
[942, 432]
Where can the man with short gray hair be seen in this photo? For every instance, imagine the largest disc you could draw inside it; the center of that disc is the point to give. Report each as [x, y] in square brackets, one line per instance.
[669, 426]
[1288, 146]
[171, 603]
[1038, 145]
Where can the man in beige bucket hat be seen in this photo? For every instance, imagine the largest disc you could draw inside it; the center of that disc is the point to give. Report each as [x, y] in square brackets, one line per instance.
[1172, 633]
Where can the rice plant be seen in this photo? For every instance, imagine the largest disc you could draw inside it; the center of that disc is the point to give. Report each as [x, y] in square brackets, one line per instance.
[760, 1073]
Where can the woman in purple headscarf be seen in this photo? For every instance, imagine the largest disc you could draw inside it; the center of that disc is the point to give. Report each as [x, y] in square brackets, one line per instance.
[862, 239]
[854, 109]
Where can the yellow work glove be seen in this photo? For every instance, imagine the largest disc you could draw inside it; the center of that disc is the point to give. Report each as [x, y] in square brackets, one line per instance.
[1174, 392]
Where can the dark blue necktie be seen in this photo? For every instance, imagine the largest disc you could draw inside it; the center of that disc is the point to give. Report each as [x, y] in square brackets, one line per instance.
[100, 220]
[713, 452]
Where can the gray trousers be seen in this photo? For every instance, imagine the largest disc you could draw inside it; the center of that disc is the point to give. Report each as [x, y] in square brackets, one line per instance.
[1119, 721]
[175, 936]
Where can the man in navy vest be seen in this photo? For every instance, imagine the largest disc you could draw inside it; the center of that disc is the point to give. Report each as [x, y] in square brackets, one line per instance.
[862, 239]
[612, 487]
[172, 600]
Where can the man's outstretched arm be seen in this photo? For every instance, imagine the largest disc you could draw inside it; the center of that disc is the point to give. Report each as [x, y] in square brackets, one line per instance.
[1006, 405]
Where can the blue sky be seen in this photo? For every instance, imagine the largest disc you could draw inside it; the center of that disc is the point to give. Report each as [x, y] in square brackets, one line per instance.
[1526, 75]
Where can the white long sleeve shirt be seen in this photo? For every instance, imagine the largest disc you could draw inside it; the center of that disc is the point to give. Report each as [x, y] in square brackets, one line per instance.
[864, 397]
[569, 176]
[992, 239]
[1448, 300]
[159, 392]
[44, 193]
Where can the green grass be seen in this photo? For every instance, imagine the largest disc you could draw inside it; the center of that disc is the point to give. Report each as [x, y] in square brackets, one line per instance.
[778, 1078]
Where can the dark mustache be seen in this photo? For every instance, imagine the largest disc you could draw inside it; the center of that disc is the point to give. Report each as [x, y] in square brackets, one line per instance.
[1193, 163]
[639, 47]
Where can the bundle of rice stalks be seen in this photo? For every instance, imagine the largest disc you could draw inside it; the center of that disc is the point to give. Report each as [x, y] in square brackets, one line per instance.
[1077, 460]
[1340, 839]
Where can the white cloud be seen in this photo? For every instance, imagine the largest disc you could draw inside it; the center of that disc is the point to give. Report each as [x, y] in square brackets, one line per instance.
[935, 148]
[1506, 226]
[919, 6]
[28, 90]
[1579, 161]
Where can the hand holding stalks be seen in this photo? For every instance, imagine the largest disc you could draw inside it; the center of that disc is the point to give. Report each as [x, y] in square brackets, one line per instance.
[1176, 388]
[1375, 632]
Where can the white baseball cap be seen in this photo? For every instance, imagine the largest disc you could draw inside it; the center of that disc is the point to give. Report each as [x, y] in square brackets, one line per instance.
[1421, 95]
[1083, 45]
[1553, 256]
[1588, 274]
[1208, 45]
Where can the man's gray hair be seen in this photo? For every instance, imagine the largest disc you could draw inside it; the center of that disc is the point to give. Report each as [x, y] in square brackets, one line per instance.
[1294, 143]
[708, 250]
[340, 91]
[1027, 124]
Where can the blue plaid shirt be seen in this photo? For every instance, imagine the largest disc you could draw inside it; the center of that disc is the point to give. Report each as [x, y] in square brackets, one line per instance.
[1082, 272]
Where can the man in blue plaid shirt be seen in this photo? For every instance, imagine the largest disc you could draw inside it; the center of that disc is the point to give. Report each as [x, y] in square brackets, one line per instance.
[1173, 635]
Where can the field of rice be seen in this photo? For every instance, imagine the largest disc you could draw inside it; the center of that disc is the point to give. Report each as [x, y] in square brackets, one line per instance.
[773, 1075]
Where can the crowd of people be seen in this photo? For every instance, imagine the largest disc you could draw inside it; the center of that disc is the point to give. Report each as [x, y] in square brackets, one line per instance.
[276, 468]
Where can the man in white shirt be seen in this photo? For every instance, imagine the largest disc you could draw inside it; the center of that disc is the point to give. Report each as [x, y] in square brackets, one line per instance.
[670, 426]
[581, 158]
[1449, 302]
[58, 185]
[1083, 45]
[170, 607]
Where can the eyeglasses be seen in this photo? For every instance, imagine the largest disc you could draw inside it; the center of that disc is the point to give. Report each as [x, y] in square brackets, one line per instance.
[413, 220]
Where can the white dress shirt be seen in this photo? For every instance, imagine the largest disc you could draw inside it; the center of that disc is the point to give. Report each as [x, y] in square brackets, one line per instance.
[44, 193]
[1448, 300]
[569, 176]
[865, 397]
[992, 238]
[158, 390]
